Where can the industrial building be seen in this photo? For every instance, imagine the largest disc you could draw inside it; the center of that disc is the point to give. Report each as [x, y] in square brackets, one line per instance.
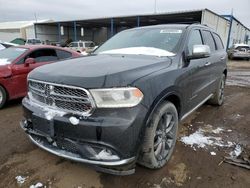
[18, 29]
[100, 29]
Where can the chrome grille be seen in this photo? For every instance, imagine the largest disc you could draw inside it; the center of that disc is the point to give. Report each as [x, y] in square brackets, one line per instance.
[62, 97]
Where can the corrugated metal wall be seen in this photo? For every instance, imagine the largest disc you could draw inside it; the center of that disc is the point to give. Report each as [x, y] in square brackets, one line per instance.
[219, 24]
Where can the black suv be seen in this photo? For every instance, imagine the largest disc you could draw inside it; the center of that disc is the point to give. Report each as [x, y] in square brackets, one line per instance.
[123, 103]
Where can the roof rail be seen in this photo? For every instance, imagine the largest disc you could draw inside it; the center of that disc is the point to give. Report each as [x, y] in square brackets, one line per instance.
[198, 23]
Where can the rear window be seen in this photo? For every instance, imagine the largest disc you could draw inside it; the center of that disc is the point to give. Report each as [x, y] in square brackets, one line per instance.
[218, 42]
[63, 54]
[209, 40]
[243, 48]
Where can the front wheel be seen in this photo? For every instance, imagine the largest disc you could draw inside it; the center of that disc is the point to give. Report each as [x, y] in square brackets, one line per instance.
[3, 97]
[160, 137]
[218, 97]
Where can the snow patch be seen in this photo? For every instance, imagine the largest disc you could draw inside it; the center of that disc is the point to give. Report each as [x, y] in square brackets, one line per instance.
[37, 185]
[48, 112]
[74, 120]
[140, 51]
[4, 61]
[106, 155]
[217, 131]
[212, 153]
[20, 180]
[199, 140]
[237, 151]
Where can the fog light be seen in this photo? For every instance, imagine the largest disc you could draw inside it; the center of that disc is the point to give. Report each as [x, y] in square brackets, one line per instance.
[106, 154]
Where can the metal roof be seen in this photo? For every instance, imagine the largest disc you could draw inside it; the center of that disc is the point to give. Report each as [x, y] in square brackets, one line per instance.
[20, 24]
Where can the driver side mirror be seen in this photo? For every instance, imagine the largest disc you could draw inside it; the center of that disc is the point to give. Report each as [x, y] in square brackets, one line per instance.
[200, 51]
[29, 61]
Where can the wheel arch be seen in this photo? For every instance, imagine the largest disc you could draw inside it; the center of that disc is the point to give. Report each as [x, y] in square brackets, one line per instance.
[171, 96]
[6, 91]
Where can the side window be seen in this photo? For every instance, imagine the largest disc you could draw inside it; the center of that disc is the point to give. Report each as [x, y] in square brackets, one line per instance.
[44, 55]
[194, 39]
[63, 54]
[209, 40]
[218, 42]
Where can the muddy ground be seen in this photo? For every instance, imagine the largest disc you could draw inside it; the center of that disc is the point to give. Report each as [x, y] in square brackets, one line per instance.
[188, 167]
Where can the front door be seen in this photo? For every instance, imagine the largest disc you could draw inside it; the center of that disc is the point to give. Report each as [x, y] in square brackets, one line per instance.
[200, 72]
[20, 71]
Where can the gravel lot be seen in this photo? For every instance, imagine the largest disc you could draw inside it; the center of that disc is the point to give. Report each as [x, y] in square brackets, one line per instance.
[188, 167]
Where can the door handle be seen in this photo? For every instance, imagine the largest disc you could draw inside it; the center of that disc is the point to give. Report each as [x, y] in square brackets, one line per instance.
[207, 63]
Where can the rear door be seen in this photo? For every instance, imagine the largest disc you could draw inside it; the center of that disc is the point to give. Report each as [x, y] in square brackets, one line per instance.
[20, 71]
[215, 58]
[200, 71]
[219, 63]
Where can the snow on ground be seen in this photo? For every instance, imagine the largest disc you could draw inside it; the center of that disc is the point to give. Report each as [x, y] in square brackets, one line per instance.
[236, 152]
[37, 185]
[206, 137]
[20, 180]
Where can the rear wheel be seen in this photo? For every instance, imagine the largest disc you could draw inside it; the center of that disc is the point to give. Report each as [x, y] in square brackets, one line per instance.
[160, 137]
[218, 97]
[3, 97]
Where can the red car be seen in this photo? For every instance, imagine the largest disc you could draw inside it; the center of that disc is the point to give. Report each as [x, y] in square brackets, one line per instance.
[16, 62]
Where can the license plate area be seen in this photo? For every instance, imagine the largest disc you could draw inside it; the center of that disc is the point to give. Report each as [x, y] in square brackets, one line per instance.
[43, 126]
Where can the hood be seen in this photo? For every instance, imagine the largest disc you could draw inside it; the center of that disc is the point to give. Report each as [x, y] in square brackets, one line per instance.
[100, 70]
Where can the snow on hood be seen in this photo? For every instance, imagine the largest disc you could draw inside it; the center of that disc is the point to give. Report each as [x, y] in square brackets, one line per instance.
[140, 51]
[4, 61]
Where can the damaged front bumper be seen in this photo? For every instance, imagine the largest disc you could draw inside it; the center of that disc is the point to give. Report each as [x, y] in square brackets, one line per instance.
[110, 144]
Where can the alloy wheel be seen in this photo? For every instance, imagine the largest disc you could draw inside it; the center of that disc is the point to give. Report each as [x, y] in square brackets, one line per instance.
[164, 136]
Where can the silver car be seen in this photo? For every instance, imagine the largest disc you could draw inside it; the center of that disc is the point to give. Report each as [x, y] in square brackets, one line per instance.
[241, 51]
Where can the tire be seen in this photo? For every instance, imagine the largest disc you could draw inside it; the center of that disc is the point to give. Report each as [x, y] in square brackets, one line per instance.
[3, 97]
[218, 97]
[153, 154]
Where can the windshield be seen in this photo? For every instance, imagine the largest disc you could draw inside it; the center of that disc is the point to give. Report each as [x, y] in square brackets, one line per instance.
[157, 42]
[9, 54]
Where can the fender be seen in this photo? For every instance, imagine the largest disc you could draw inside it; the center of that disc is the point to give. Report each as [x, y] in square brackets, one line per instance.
[163, 95]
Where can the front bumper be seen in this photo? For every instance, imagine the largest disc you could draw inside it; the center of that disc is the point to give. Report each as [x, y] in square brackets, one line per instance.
[118, 131]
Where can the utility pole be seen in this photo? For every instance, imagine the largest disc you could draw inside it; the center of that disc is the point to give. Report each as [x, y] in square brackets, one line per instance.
[155, 7]
[35, 17]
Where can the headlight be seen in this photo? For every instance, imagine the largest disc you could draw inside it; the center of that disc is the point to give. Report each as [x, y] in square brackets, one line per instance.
[117, 97]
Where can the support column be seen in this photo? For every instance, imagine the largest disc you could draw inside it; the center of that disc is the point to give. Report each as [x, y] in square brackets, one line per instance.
[111, 27]
[138, 21]
[59, 32]
[35, 30]
[229, 33]
[75, 32]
